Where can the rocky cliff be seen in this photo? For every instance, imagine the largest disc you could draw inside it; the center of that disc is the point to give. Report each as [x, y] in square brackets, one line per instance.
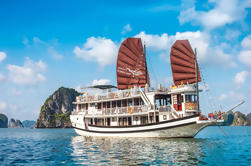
[249, 117]
[3, 121]
[15, 124]
[238, 118]
[56, 109]
[29, 123]
[241, 119]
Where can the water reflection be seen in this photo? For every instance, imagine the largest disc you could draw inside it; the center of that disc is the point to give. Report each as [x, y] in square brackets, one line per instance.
[126, 151]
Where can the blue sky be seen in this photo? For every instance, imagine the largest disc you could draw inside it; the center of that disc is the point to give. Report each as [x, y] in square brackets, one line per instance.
[48, 44]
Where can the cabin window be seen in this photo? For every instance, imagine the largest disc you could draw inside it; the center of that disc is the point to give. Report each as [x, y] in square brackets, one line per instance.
[118, 103]
[136, 118]
[99, 105]
[104, 105]
[93, 104]
[162, 100]
[164, 117]
[191, 98]
[136, 101]
[141, 102]
[108, 105]
[113, 104]
[130, 102]
[113, 119]
[124, 103]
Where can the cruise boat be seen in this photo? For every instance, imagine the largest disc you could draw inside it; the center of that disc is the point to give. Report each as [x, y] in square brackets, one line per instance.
[133, 108]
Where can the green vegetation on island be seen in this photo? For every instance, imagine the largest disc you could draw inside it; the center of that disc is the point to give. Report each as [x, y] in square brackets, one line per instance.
[56, 110]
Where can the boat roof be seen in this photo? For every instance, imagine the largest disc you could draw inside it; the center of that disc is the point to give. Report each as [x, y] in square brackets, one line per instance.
[102, 86]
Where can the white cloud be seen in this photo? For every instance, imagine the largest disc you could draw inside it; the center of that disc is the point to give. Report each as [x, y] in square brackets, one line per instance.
[245, 57]
[246, 42]
[240, 78]
[245, 53]
[78, 88]
[3, 105]
[2, 56]
[55, 54]
[232, 96]
[36, 40]
[16, 92]
[2, 77]
[207, 54]
[101, 50]
[29, 73]
[101, 82]
[127, 28]
[231, 34]
[223, 12]
[223, 96]
[155, 42]
[26, 42]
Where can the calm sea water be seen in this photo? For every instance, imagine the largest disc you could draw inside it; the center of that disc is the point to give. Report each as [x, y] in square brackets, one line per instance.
[64, 147]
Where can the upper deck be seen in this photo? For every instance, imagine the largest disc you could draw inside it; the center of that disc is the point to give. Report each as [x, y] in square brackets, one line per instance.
[117, 95]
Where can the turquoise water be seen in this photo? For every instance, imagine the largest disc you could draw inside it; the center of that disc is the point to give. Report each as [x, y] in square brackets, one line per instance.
[64, 147]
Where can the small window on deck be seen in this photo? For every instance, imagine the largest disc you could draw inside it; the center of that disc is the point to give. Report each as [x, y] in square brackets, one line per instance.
[136, 101]
[130, 102]
[191, 98]
[113, 104]
[141, 102]
[104, 105]
[119, 103]
[124, 103]
[108, 105]
[99, 105]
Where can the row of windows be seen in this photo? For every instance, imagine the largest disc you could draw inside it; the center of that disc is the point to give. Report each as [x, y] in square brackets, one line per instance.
[191, 98]
[113, 104]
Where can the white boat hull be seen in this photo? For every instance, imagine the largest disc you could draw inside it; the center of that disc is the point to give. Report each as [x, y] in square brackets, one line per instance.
[178, 128]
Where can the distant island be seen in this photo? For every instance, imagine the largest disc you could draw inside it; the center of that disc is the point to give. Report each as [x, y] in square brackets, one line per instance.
[4, 123]
[15, 124]
[56, 110]
[240, 119]
[28, 123]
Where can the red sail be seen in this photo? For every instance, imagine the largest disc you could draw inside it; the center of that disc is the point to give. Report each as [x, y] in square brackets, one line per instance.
[131, 64]
[183, 63]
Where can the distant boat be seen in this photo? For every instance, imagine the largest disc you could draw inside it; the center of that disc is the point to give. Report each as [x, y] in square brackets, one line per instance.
[134, 109]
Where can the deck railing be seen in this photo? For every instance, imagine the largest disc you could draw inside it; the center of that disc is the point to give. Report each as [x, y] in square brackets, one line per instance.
[115, 111]
[111, 95]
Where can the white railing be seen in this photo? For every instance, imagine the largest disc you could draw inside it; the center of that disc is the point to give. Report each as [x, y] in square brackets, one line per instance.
[145, 98]
[121, 110]
[110, 95]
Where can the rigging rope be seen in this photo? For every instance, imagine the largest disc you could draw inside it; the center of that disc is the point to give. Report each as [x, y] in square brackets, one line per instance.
[151, 68]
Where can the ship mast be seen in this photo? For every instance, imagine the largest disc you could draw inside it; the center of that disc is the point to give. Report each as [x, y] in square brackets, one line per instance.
[197, 84]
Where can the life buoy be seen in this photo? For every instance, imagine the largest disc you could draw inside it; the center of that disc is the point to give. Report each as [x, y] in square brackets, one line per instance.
[130, 110]
[127, 94]
[116, 95]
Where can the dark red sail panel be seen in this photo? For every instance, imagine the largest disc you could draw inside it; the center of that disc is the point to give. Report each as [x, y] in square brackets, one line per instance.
[183, 63]
[131, 65]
